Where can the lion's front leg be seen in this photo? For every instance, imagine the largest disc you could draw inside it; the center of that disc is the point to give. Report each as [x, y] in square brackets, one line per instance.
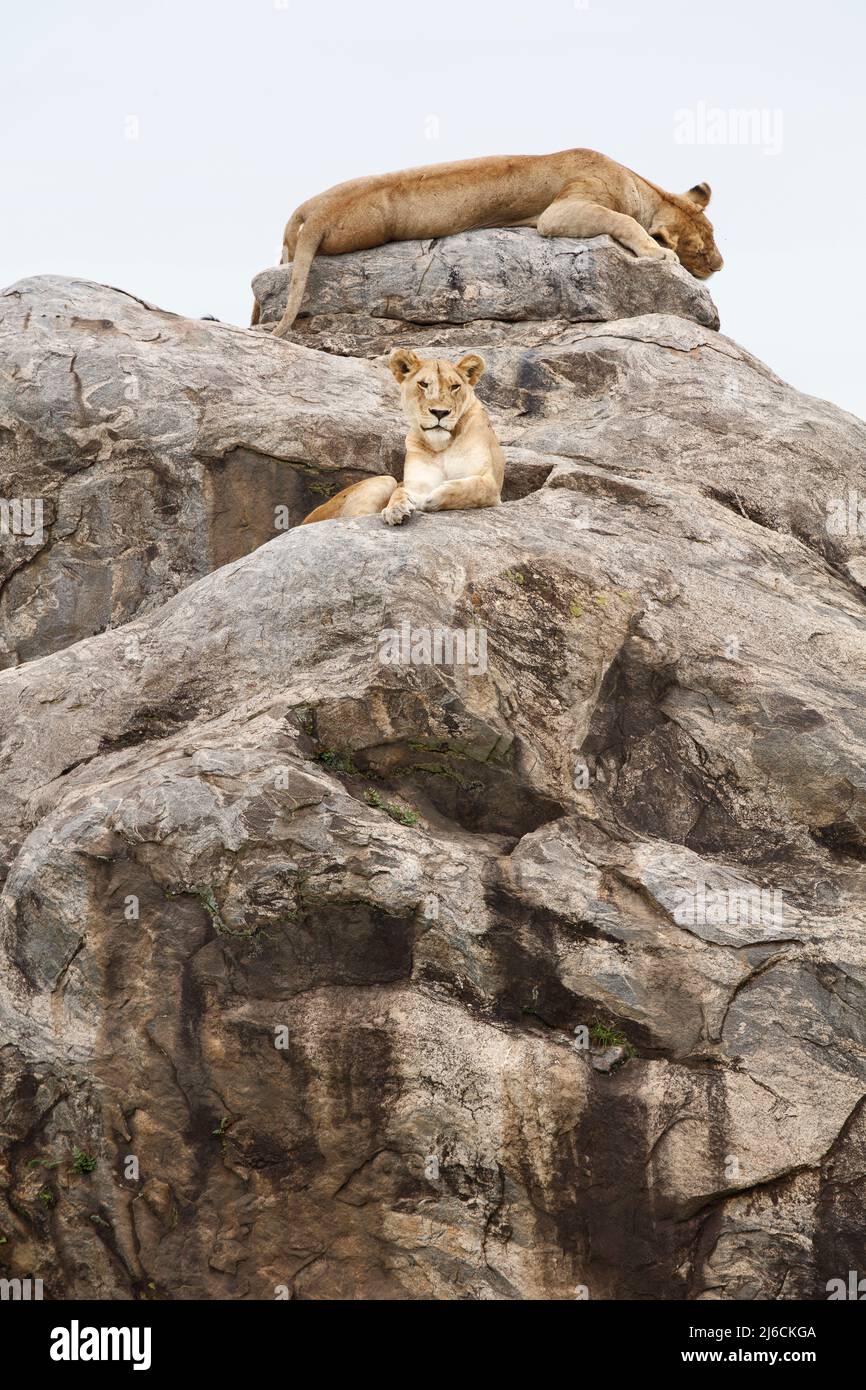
[462, 494]
[574, 215]
[400, 507]
[419, 479]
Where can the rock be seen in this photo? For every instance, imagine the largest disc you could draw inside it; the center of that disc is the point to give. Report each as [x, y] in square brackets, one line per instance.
[659, 397]
[607, 1059]
[296, 934]
[159, 447]
[235, 757]
[511, 274]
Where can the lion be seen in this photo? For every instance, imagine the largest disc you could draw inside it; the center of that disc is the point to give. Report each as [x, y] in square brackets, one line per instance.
[453, 459]
[575, 193]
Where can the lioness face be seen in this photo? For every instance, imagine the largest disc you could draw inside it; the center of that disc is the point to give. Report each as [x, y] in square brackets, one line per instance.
[685, 230]
[435, 393]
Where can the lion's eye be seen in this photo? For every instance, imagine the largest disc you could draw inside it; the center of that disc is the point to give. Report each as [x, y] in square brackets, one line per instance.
[456, 386]
[424, 385]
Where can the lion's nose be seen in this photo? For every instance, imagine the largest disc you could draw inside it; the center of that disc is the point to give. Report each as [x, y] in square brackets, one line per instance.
[440, 414]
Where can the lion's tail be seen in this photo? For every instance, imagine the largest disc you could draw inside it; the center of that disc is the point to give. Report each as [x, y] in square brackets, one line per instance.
[308, 243]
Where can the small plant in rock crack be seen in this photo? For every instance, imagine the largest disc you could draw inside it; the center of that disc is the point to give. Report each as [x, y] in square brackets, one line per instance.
[46, 1196]
[220, 1131]
[441, 770]
[321, 489]
[532, 1007]
[306, 719]
[337, 762]
[207, 898]
[605, 1035]
[403, 814]
[82, 1162]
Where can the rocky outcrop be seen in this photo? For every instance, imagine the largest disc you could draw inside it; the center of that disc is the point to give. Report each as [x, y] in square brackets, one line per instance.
[160, 448]
[335, 973]
[510, 276]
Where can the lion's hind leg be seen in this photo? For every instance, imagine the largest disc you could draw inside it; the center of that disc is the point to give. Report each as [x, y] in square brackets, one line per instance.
[366, 498]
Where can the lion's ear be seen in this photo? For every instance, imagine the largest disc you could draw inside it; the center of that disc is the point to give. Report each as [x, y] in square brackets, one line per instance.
[699, 195]
[403, 362]
[471, 367]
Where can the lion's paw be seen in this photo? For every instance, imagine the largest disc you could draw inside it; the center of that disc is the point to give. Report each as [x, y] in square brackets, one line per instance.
[397, 512]
[661, 253]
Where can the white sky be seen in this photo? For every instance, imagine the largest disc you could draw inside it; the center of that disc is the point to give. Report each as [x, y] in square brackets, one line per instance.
[241, 109]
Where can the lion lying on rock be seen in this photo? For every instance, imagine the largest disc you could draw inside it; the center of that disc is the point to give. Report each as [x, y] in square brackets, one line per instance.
[453, 458]
[576, 193]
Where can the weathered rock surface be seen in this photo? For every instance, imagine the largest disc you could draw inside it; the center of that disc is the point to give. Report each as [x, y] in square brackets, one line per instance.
[303, 947]
[162, 447]
[512, 275]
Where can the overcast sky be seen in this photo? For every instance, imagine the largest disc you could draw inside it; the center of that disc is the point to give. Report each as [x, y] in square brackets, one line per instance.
[160, 147]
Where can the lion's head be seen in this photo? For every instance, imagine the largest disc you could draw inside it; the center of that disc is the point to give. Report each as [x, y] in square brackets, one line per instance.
[435, 393]
[682, 227]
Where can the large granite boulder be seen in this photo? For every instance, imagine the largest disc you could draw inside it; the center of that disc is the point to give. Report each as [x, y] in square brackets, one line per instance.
[305, 940]
[511, 275]
[468, 910]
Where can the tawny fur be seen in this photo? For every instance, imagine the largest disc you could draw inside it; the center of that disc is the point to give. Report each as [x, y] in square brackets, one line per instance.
[576, 193]
[453, 458]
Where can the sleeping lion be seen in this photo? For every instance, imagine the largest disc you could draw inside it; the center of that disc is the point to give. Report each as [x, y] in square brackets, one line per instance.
[576, 193]
[453, 458]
